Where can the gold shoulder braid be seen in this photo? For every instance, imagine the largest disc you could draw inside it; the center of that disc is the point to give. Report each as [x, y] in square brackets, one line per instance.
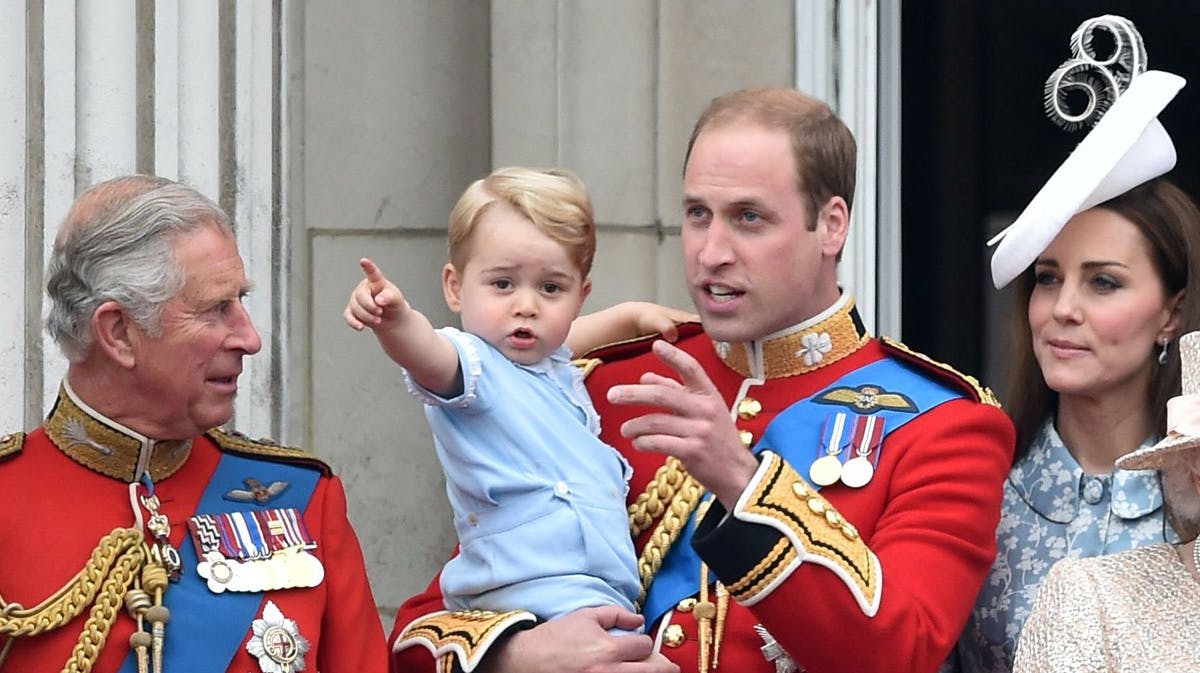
[587, 365]
[984, 393]
[235, 442]
[671, 484]
[103, 583]
[11, 445]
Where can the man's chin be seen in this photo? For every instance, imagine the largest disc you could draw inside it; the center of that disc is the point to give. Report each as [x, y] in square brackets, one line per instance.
[213, 418]
[724, 328]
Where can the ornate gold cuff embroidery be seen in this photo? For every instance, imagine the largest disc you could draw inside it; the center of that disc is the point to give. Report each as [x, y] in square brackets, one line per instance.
[817, 533]
[466, 634]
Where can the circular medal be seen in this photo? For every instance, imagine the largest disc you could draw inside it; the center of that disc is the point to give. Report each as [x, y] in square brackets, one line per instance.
[825, 470]
[280, 645]
[857, 472]
[273, 574]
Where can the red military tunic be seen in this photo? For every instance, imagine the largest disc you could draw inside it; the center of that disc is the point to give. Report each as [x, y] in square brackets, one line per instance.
[56, 505]
[888, 592]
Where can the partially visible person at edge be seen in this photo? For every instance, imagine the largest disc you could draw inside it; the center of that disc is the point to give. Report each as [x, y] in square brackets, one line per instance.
[803, 494]
[1135, 610]
[137, 534]
[1098, 312]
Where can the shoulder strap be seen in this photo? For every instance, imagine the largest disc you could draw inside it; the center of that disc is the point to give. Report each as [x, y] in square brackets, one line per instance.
[11, 445]
[941, 371]
[236, 442]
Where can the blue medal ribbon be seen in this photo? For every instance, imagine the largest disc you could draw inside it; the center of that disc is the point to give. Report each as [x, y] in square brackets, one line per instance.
[793, 434]
[206, 628]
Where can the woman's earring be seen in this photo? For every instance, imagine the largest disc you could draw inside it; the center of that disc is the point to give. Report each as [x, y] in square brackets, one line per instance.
[1162, 354]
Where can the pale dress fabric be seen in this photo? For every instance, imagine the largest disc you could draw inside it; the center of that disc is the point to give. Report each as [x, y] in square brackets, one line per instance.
[1129, 612]
[1053, 510]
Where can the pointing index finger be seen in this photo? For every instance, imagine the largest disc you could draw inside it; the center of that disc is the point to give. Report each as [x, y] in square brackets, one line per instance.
[375, 277]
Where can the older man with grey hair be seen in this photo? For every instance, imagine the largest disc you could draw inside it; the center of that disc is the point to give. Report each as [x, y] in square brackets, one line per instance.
[137, 534]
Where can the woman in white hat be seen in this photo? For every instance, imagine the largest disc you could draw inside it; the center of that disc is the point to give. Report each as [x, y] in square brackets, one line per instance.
[1107, 275]
[1138, 610]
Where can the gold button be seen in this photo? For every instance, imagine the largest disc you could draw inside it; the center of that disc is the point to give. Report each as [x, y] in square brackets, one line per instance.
[747, 437]
[833, 518]
[801, 489]
[748, 408]
[817, 505]
[673, 636]
[686, 605]
[849, 531]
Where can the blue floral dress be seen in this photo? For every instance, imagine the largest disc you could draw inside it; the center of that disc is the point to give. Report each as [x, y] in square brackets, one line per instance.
[1052, 510]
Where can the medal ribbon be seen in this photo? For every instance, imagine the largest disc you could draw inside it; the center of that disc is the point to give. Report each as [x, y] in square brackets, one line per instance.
[792, 434]
[210, 627]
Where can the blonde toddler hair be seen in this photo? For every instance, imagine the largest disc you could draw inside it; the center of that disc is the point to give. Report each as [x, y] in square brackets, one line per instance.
[553, 199]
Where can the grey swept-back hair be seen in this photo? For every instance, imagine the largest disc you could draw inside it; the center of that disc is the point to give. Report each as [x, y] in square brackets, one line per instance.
[116, 244]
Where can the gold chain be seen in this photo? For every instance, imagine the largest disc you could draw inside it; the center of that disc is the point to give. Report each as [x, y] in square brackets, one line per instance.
[649, 504]
[683, 499]
[110, 571]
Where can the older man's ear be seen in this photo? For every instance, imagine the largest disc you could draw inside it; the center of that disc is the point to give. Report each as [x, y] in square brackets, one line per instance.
[115, 334]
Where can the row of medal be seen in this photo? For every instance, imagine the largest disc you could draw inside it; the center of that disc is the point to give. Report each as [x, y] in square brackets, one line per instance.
[265, 550]
[849, 450]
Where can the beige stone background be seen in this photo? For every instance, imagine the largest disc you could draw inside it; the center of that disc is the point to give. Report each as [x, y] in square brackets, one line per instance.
[404, 104]
[336, 130]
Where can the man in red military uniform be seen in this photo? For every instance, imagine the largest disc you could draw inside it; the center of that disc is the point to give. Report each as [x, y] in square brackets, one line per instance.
[805, 496]
[136, 534]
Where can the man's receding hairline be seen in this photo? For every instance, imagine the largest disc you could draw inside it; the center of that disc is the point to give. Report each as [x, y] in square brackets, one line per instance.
[108, 195]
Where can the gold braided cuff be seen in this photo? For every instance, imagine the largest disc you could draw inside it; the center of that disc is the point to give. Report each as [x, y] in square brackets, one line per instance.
[466, 635]
[814, 532]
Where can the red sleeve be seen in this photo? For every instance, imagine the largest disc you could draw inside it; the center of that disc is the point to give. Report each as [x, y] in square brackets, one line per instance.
[352, 635]
[415, 659]
[932, 530]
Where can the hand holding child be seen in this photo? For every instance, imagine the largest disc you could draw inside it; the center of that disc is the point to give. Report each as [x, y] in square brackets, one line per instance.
[651, 318]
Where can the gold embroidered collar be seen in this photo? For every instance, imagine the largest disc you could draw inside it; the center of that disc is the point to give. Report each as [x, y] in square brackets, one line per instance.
[106, 446]
[818, 342]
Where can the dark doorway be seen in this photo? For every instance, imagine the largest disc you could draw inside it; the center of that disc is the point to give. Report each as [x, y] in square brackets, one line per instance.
[977, 146]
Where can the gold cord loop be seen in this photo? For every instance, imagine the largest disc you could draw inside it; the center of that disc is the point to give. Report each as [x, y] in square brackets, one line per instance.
[101, 584]
[673, 485]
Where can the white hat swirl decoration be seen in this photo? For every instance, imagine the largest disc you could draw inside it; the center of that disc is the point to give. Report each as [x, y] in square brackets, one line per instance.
[1126, 146]
[1183, 413]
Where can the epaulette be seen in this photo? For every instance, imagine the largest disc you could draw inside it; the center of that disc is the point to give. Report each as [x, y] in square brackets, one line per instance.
[941, 371]
[235, 442]
[11, 445]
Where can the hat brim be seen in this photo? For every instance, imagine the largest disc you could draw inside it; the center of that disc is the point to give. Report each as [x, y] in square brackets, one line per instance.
[1127, 147]
[1152, 457]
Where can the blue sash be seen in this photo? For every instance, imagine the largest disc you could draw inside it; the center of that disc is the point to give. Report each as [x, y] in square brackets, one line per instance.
[206, 628]
[795, 435]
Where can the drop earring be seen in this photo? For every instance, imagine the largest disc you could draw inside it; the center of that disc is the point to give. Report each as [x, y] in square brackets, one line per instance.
[1162, 354]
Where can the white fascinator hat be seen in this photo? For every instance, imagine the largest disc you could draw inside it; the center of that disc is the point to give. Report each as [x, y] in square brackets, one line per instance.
[1183, 413]
[1126, 146]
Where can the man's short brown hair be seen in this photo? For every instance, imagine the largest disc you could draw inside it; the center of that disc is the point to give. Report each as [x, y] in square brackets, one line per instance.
[823, 148]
